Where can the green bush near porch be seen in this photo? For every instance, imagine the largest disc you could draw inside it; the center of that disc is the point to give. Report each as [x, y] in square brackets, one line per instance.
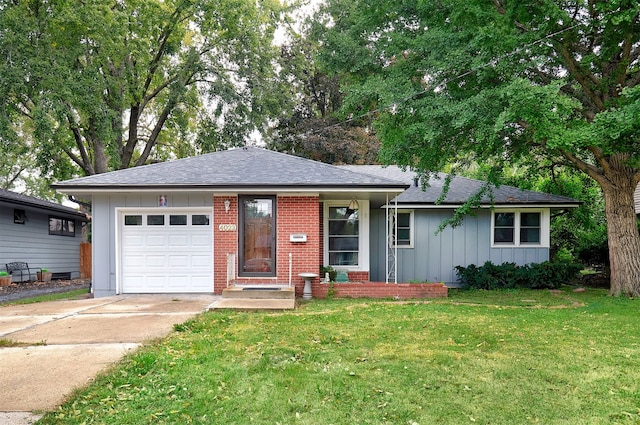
[483, 357]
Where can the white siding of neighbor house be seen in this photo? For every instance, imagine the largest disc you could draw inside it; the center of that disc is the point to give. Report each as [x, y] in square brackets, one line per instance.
[434, 257]
[104, 229]
[32, 243]
[636, 199]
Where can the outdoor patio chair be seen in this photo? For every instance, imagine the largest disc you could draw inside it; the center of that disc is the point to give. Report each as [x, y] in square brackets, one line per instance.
[22, 268]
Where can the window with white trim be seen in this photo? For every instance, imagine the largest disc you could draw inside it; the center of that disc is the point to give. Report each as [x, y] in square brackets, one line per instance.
[403, 236]
[519, 228]
[344, 236]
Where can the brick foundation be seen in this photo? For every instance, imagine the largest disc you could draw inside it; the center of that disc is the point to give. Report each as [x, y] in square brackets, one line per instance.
[380, 290]
[358, 276]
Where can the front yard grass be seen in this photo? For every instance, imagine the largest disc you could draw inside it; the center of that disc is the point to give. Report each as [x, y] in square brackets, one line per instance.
[499, 357]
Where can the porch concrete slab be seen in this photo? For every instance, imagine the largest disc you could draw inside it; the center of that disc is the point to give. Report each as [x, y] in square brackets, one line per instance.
[253, 304]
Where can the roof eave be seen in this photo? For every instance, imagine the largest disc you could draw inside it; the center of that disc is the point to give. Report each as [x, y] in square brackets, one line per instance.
[418, 205]
[75, 189]
[51, 208]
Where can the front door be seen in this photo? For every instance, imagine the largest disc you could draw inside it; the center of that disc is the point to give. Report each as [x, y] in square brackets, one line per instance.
[257, 236]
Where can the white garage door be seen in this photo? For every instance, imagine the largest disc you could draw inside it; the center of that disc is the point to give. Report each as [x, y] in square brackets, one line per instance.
[166, 251]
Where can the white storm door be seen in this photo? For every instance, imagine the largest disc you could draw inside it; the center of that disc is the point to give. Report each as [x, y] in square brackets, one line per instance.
[166, 251]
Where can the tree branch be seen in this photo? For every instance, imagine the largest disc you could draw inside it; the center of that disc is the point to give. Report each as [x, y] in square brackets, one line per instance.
[153, 138]
[85, 162]
[582, 79]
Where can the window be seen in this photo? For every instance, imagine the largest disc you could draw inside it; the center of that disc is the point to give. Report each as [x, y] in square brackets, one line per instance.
[62, 226]
[200, 219]
[518, 228]
[257, 236]
[19, 216]
[504, 225]
[530, 228]
[404, 236]
[344, 236]
[133, 220]
[177, 220]
[155, 220]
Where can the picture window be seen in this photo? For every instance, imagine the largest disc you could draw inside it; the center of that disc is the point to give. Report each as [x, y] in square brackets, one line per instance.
[62, 226]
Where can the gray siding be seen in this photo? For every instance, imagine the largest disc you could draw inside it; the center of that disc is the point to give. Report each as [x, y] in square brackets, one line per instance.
[434, 257]
[104, 229]
[32, 243]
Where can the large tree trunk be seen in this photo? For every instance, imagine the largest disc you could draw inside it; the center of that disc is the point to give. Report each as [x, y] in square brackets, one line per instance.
[622, 229]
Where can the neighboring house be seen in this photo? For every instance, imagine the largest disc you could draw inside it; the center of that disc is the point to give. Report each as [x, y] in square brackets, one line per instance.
[255, 216]
[41, 233]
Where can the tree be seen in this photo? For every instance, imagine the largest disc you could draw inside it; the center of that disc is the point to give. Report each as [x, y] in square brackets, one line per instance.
[309, 128]
[473, 81]
[580, 232]
[114, 84]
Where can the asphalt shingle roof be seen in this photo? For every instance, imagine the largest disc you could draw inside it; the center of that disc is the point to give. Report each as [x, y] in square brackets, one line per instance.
[460, 189]
[246, 167]
[19, 199]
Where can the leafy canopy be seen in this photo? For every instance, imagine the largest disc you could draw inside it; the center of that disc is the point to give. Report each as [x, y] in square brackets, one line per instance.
[115, 84]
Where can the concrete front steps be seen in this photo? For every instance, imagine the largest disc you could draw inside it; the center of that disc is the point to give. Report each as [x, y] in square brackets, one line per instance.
[257, 297]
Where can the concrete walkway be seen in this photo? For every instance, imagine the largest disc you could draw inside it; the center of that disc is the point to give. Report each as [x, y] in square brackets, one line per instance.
[64, 344]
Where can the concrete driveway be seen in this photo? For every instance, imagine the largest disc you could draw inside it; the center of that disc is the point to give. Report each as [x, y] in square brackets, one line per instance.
[64, 344]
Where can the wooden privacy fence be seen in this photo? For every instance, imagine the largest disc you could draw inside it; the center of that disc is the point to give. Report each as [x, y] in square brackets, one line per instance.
[85, 260]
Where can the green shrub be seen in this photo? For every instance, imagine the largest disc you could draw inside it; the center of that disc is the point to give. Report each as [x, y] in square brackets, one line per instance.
[328, 269]
[545, 275]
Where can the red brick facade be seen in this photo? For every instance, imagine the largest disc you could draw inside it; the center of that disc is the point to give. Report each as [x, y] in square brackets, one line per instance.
[294, 214]
[380, 290]
[225, 238]
[298, 214]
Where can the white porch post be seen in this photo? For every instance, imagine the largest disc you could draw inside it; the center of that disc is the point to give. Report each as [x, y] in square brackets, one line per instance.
[391, 249]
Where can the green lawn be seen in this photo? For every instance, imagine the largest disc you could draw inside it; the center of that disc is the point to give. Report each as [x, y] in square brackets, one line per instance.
[504, 357]
[68, 295]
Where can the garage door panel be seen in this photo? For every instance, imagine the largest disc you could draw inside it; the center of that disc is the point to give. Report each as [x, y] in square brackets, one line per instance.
[166, 258]
[156, 241]
[159, 261]
[132, 240]
[179, 240]
[200, 261]
[201, 283]
[179, 261]
[201, 241]
[133, 260]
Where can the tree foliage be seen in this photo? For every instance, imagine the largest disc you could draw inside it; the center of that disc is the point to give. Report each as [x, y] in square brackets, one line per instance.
[466, 82]
[310, 129]
[118, 83]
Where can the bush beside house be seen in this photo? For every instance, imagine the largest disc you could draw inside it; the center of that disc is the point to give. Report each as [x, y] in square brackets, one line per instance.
[545, 275]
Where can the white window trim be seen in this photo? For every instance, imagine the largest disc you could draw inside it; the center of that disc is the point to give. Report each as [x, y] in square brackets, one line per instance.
[363, 240]
[545, 224]
[411, 230]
